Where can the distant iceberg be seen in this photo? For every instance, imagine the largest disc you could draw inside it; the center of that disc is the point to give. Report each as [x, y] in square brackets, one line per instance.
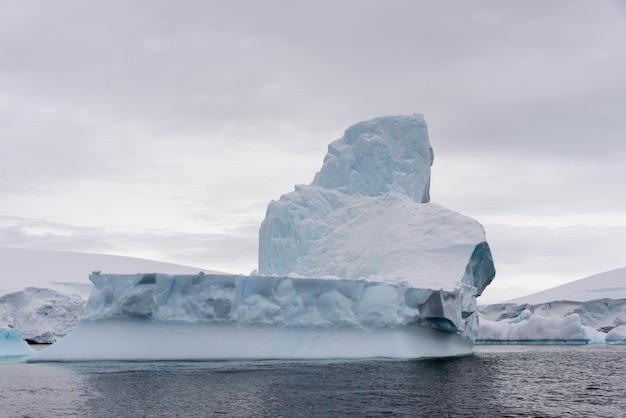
[43, 314]
[564, 322]
[357, 264]
[590, 310]
[12, 343]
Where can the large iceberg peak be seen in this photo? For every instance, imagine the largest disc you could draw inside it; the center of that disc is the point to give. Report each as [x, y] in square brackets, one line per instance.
[367, 215]
[390, 153]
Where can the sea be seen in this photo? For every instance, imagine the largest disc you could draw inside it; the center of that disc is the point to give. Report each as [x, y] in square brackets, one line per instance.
[496, 381]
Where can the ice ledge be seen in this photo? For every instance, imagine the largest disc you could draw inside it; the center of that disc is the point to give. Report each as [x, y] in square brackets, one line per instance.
[280, 301]
[200, 317]
[12, 343]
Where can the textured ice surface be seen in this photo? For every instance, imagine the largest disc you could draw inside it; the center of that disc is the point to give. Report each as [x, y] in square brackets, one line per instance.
[365, 216]
[264, 317]
[563, 321]
[378, 156]
[12, 343]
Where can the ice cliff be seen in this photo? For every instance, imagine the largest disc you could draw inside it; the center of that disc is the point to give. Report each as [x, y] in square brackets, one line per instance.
[356, 264]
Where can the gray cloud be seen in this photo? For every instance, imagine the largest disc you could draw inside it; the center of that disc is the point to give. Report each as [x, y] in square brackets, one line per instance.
[212, 109]
[530, 259]
[217, 251]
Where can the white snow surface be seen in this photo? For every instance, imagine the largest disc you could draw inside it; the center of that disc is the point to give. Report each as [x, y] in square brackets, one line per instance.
[12, 343]
[44, 315]
[316, 233]
[607, 285]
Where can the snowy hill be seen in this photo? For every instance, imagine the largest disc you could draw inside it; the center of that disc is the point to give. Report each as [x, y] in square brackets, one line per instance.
[608, 285]
[68, 272]
[44, 292]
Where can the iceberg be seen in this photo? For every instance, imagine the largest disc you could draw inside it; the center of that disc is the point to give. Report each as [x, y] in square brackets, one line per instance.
[357, 264]
[584, 311]
[537, 329]
[568, 322]
[617, 335]
[13, 344]
[199, 317]
[44, 315]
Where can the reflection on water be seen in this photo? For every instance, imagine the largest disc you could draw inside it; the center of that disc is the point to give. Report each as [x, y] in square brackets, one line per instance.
[496, 381]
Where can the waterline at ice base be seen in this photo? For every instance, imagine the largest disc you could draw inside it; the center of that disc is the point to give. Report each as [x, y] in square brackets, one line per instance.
[357, 264]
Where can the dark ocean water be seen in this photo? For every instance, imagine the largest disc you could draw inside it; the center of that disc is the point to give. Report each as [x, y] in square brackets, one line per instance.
[497, 381]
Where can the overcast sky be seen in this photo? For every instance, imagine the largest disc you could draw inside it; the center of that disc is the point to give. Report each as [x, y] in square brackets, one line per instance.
[161, 129]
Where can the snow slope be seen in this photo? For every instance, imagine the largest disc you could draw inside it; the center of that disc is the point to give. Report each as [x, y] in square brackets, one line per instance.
[366, 215]
[589, 310]
[68, 272]
[607, 285]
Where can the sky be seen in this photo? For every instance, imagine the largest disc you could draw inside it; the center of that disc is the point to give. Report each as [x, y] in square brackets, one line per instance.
[161, 129]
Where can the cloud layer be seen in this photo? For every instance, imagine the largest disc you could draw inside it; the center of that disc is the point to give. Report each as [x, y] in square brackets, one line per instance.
[162, 129]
